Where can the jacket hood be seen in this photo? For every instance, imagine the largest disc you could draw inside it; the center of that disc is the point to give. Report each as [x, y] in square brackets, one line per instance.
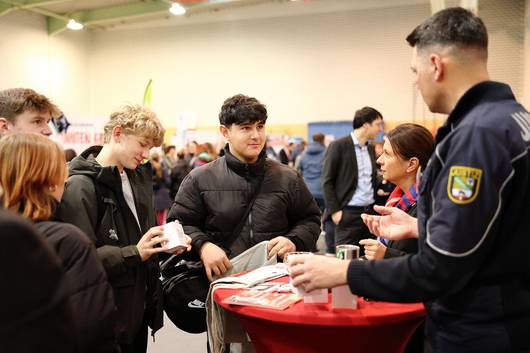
[86, 164]
[315, 148]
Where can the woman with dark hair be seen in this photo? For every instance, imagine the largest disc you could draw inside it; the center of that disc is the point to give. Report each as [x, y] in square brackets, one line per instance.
[406, 151]
[32, 175]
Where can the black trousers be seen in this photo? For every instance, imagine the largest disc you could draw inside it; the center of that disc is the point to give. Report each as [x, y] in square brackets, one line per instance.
[351, 227]
[139, 345]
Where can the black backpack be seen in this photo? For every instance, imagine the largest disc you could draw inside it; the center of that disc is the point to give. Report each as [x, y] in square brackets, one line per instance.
[185, 287]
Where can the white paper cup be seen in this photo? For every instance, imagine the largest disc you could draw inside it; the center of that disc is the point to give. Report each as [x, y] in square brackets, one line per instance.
[288, 259]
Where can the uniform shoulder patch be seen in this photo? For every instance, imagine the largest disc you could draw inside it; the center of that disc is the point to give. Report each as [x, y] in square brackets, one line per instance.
[463, 184]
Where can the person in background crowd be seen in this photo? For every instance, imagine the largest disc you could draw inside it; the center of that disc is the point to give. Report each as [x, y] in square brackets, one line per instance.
[202, 156]
[471, 269]
[311, 162]
[298, 148]
[32, 175]
[349, 177]
[406, 150]
[109, 195]
[161, 183]
[269, 150]
[303, 146]
[35, 308]
[178, 173]
[192, 151]
[284, 156]
[169, 159]
[69, 154]
[211, 150]
[211, 200]
[24, 110]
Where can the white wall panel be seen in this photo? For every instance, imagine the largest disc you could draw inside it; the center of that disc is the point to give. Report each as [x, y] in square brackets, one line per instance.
[54, 66]
[305, 68]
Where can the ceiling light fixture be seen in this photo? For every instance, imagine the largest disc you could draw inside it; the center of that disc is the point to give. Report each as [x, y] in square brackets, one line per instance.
[74, 25]
[177, 9]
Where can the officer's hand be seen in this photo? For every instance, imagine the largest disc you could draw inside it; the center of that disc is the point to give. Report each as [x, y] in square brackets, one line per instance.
[280, 246]
[336, 217]
[215, 260]
[393, 224]
[315, 271]
[373, 249]
[146, 245]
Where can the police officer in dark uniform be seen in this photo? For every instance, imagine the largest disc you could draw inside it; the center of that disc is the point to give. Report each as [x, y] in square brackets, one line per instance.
[471, 270]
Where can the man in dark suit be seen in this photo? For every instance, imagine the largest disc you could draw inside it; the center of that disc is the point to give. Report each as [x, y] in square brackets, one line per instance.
[349, 177]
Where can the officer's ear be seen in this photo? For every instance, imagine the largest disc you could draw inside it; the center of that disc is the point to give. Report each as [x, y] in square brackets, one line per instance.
[414, 164]
[437, 66]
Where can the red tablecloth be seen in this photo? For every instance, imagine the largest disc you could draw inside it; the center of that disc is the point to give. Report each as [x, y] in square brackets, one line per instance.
[306, 328]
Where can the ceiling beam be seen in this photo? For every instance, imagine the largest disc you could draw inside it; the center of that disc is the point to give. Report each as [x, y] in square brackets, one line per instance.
[10, 5]
[120, 12]
[117, 12]
[125, 11]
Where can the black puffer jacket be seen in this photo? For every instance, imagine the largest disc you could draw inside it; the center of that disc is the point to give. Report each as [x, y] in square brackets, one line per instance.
[87, 287]
[213, 198]
[115, 233]
[35, 311]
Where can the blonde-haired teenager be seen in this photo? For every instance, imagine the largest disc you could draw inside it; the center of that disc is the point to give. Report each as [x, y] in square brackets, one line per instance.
[32, 175]
[109, 195]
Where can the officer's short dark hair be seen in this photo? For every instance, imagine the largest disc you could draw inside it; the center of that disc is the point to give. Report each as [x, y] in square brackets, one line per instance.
[241, 109]
[365, 115]
[454, 26]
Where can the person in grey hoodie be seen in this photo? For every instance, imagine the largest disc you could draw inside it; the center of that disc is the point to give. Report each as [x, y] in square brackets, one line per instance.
[310, 166]
[311, 163]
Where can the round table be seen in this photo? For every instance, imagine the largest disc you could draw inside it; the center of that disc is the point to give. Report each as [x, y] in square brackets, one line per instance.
[306, 328]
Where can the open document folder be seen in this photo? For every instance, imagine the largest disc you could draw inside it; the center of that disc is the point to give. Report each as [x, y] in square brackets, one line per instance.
[252, 259]
[257, 276]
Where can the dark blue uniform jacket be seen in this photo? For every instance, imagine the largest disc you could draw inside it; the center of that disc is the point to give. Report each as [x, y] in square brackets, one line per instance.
[471, 270]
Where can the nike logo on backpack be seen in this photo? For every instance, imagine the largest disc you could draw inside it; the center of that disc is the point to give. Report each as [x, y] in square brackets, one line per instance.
[196, 304]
